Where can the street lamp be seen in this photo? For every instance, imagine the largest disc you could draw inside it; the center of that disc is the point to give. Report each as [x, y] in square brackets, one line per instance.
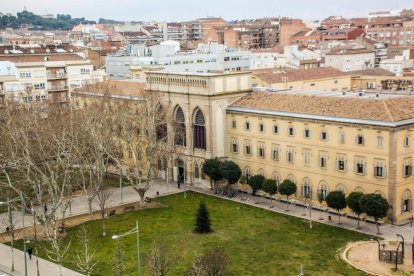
[379, 248]
[20, 198]
[132, 231]
[398, 235]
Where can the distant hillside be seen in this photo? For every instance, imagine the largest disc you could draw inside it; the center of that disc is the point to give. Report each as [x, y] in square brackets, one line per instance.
[36, 22]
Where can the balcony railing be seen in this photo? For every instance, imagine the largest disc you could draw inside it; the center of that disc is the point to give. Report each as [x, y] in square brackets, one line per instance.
[58, 87]
[56, 76]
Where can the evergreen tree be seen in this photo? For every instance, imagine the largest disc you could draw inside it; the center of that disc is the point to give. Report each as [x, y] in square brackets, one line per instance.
[203, 223]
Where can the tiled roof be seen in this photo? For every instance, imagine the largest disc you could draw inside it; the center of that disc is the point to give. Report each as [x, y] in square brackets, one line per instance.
[372, 72]
[349, 51]
[275, 76]
[387, 109]
[125, 88]
[41, 58]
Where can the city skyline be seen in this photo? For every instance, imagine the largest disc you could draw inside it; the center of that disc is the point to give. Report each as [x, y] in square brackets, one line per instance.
[128, 10]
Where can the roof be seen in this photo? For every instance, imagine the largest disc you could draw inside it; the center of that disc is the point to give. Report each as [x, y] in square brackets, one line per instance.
[372, 72]
[350, 51]
[274, 76]
[41, 58]
[125, 88]
[387, 109]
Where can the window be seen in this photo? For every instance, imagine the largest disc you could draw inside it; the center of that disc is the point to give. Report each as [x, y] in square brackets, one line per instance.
[261, 150]
[306, 188]
[324, 135]
[306, 156]
[275, 129]
[323, 190]
[247, 125]
[341, 137]
[290, 155]
[261, 127]
[379, 168]
[407, 167]
[247, 173]
[234, 147]
[247, 147]
[276, 178]
[340, 163]
[323, 157]
[360, 166]
[226, 58]
[291, 131]
[406, 204]
[199, 130]
[39, 86]
[360, 140]
[25, 75]
[406, 141]
[139, 154]
[306, 133]
[275, 152]
[85, 71]
[180, 129]
[380, 141]
[233, 124]
[129, 152]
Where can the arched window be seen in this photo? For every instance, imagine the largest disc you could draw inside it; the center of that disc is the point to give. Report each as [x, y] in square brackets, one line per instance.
[323, 189]
[291, 178]
[161, 124]
[262, 173]
[196, 171]
[306, 188]
[180, 130]
[276, 177]
[247, 173]
[199, 130]
[406, 204]
[359, 190]
[341, 187]
[203, 175]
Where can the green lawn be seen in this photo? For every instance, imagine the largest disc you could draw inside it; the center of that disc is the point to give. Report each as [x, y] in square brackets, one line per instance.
[258, 242]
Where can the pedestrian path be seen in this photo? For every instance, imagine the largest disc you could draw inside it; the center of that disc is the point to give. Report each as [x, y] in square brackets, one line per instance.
[45, 267]
[389, 232]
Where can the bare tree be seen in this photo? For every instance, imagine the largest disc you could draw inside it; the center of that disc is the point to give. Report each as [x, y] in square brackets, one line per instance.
[86, 257]
[160, 259]
[118, 266]
[197, 268]
[215, 263]
[10, 226]
[103, 198]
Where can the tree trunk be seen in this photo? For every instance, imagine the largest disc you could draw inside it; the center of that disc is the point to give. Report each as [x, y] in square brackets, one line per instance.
[103, 226]
[310, 216]
[287, 203]
[359, 219]
[90, 206]
[378, 229]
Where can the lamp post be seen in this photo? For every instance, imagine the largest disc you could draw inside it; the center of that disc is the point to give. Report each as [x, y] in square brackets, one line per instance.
[402, 247]
[379, 248]
[132, 231]
[20, 198]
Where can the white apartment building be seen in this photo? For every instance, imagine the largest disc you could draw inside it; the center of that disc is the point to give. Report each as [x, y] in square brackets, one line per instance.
[397, 64]
[37, 77]
[267, 58]
[206, 57]
[350, 59]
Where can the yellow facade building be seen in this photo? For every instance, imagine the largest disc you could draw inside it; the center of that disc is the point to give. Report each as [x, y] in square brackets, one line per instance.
[324, 79]
[327, 141]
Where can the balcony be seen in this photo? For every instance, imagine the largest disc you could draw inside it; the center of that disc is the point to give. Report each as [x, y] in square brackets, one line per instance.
[53, 88]
[56, 76]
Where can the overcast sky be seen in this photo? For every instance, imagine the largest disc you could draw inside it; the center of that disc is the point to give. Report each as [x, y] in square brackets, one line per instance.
[180, 10]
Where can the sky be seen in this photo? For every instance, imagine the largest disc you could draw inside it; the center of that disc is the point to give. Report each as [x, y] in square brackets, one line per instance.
[182, 10]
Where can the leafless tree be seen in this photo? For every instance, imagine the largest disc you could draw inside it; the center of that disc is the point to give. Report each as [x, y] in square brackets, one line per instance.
[10, 226]
[86, 256]
[103, 198]
[197, 268]
[118, 266]
[160, 259]
[215, 263]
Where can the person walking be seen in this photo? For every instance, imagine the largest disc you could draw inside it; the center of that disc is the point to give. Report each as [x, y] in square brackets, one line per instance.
[30, 252]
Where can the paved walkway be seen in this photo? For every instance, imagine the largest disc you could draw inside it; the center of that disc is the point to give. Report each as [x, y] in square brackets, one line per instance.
[79, 206]
[389, 232]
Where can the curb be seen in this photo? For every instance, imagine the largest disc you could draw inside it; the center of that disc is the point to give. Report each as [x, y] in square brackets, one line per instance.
[344, 257]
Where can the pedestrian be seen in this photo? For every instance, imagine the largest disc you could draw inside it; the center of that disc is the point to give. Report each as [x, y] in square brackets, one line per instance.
[30, 252]
[45, 207]
[179, 182]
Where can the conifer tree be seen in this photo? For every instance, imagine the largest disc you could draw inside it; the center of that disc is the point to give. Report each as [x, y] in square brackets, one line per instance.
[203, 223]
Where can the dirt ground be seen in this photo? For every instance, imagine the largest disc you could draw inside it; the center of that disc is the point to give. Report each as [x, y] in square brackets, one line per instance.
[364, 256]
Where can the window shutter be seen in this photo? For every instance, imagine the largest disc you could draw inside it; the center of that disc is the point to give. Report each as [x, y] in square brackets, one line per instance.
[410, 204]
[402, 206]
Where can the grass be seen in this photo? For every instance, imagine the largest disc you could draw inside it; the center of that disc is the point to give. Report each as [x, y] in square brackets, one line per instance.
[257, 241]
